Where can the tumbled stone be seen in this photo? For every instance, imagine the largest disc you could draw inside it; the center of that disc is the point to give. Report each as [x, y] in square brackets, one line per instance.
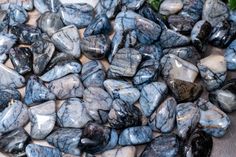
[13, 117]
[26, 4]
[135, 135]
[34, 150]
[187, 118]
[3, 58]
[153, 51]
[73, 114]
[131, 39]
[98, 103]
[212, 120]
[174, 67]
[7, 41]
[123, 90]
[180, 24]
[163, 119]
[151, 96]
[17, 15]
[67, 87]
[43, 5]
[169, 7]
[132, 4]
[129, 151]
[230, 56]
[4, 21]
[108, 7]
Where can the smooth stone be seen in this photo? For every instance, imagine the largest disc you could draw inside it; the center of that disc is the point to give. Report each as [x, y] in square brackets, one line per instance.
[123, 115]
[163, 119]
[3, 58]
[98, 103]
[171, 39]
[6, 95]
[4, 21]
[60, 70]
[108, 7]
[26, 4]
[95, 46]
[7, 41]
[50, 23]
[34, 150]
[131, 39]
[151, 97]
[67, 140]
[166, 145]
[11, 78]
[184, 91]
[125, 62]
[93, 74]
[132, 4]
[78, 14]
[123, 90]
[212, 120]
[67, 39]
[47, 5]
[73, 114]
[149, 52]
[17, 15]
[213, 70]
[67, 87]
[230, 56]
[215, 11]
[14, 142]
[135, 135]
[43, 51]
[21, 58]
[13, 116]
[232, 15]
[129, 151]
[174, 67]
[36, 92]
[187, 53]
[187, 118]
[170, 7]
[99, 25]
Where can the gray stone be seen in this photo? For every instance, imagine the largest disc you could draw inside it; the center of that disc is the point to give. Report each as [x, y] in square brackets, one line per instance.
[169, 7]
[132, 4]
[230, 56]
[108, 7]
[4, 21]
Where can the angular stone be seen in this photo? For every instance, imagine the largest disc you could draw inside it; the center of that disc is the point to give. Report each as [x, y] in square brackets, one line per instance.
[26, 4]
[98, 103]
[135, 135]
[13, 117]
[153, 51]
[17, 15]
[4, 21]
[7, 41]
[73, 114]
[43, 5]
[129, 151]
[131, 39]
[230, 56]
[132, 4]
[212, 120]
[123, 90]
[34, 150]
[181, 24]
[108, 7]
[67, 87]
[169, 7]
[67, 140]
[174, 67]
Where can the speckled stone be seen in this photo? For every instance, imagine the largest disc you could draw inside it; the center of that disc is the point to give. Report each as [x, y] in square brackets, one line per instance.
[34, 150]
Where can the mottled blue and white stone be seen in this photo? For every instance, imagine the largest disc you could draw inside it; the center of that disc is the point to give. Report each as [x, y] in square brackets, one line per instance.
[17, 14]
[73, 114]
[14, 116]
[3, 58]
[98, 103]
[47, 5]
[212, 120]
[26, 4]
[131, 39]
[163, 119]
[135, 135]
[213, 70]
[34, 150]
[11, 78]
[67, 140]
[6, 42]
[67, 39]
[123, 90]
[151, 97]
[78, 14]
[187, 118]
[43, 119]
[108, 7]
[153, 51]
[93, 74]
[4, 21]
[230, 56]
[132, 4]
[36, 92]
[68, 86]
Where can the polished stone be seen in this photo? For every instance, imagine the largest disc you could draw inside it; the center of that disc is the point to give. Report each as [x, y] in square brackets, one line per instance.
[129, 151]
[6, 42]
[169, 7]
[17, 14]
[34, 150]
[132, 4]
[153, 51]
[230, 56]
[4, 21]
[108, 7]
[181, 24]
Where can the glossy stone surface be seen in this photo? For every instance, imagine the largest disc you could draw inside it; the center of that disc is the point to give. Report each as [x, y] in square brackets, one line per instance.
[43, 5]
[66, 140]
[129, 151]
[151, 96]
[131, 39]
[21, 58]
[132, 4]
[43, 119]
[169, 7]
[95, 46]
[17, 15]
[34, 150]
[163, 119]
[98, 103]
[11, 78]
[79, 14]
[123, 115]
[187, 118]
[36, 92]
[166, 145]
[26, 4]
[174, 67]
[213, 71]
[181, 24]
[73, 114]
[135, 135]
[230, 56]
[212, 120]
[153, 51]
[67, 87]
[123, 90]
[3, 58]
[13, 117]
[6, 42]
[93, 74]
[4, 21]
[108, 7]
[59, 58]
[67, 39]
